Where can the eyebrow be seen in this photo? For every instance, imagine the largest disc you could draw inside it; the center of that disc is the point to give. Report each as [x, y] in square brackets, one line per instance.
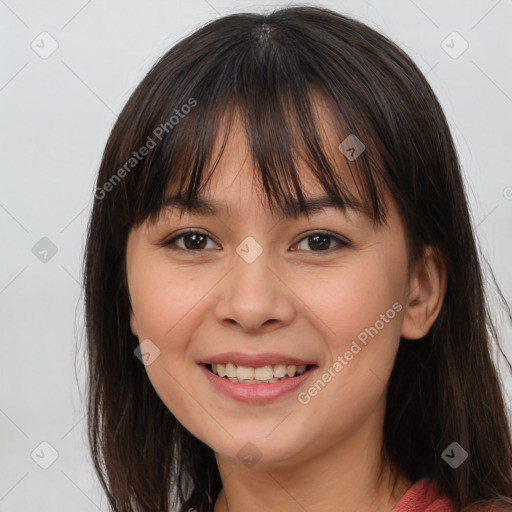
[204, 206]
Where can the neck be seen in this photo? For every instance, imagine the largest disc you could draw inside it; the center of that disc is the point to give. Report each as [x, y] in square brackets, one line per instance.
[346, 477]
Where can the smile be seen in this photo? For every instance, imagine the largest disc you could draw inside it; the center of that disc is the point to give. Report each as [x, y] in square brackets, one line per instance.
[260, 388]
[257, 375]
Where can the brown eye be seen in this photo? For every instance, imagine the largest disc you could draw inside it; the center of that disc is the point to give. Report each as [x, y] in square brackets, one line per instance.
[193, 241]
[321, 242]
[197, 241]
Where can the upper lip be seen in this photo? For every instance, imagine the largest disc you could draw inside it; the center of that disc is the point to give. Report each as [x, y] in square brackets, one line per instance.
[254, 360]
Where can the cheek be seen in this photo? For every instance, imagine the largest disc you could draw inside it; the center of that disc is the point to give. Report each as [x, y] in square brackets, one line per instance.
[353, 300]
[360, 308]
[163, 303]
[360, 313]
[162, 297]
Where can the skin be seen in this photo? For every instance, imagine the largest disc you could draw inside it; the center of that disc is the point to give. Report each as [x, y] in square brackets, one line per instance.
[312, 304]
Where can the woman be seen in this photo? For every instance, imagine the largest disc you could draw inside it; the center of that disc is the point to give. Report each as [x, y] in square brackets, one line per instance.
[284, 302]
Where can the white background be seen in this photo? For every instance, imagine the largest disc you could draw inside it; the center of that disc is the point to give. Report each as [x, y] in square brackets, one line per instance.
[56, 114]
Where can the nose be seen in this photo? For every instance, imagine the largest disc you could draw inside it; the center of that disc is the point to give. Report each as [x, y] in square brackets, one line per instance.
[254, 298]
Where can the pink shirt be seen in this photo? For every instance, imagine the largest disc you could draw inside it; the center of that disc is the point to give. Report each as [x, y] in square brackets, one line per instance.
[423, 497]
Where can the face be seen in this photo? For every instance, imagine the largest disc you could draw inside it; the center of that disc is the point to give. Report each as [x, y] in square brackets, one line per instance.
[265, 290]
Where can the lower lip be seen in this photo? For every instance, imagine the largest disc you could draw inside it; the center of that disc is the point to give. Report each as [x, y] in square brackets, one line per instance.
[256, 393]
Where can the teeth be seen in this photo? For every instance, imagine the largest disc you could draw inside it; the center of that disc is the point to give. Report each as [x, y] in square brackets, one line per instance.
[279, 371]
[264, 373]
[260, 375]
[221, 370]
[245, 373]
[230, 370]
[291, 370]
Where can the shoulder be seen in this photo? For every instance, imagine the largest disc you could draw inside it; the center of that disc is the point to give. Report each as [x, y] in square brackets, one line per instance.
[422, 496]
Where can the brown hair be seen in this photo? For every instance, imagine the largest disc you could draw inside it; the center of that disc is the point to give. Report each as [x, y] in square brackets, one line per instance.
[443, 388]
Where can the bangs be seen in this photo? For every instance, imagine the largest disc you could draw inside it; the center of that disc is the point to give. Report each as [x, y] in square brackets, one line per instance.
[274, 89]
[277, 144]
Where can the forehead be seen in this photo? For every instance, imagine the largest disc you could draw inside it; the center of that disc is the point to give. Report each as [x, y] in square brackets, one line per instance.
[231, 172]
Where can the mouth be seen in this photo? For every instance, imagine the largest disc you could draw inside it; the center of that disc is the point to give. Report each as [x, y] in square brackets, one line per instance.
[257, 378]
[260, 384]
[266, 374]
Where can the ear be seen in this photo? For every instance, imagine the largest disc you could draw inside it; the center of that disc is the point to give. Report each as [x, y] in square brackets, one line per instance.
[133, 323]
[427, 288]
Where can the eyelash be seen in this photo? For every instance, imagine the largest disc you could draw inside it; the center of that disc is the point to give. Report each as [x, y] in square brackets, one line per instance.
[170, 242]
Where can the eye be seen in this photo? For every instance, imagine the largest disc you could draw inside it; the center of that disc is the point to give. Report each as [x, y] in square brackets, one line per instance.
[320, 241]
[193, 241]
[196, 241]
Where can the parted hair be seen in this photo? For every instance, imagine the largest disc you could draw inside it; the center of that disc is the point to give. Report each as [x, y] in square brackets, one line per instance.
[443, 388]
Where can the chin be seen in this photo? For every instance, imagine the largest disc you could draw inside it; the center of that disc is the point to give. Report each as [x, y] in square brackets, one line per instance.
[249, 450]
